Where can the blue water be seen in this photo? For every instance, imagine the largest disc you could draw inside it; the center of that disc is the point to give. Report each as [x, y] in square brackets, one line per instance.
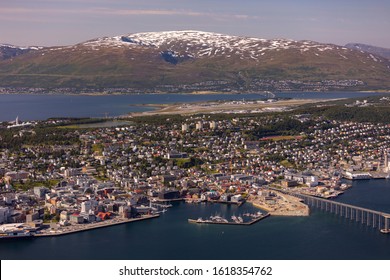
[322, 235]
[41, 107]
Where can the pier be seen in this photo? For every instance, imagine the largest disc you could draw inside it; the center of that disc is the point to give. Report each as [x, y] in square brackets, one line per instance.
[84, 227]
[251, 222]
[368, 217]
[238, 203]
[167, 200]
[153, 204]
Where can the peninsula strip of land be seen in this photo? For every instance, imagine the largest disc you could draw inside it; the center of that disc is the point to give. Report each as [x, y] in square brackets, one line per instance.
[226, 107]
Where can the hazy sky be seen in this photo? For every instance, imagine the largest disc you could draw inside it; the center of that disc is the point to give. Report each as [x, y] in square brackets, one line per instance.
[65, 22]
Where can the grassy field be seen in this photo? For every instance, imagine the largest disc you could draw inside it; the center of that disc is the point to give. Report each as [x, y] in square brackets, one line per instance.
[29, 184]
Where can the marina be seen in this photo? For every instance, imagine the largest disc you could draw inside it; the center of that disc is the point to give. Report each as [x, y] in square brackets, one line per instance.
[277, 237]
[235, 220]
[195, 201]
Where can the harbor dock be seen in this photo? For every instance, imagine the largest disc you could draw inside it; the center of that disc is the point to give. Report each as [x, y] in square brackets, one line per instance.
[238, 203]
[378, 175]
[84, 227]
[168, 200]
[251, 222]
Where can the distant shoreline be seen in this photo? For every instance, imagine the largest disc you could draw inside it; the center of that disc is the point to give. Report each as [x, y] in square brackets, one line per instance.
[59, 106]
[192, 93]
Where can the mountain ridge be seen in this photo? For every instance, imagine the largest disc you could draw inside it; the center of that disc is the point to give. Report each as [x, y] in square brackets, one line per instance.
[186, 61]
[384, 52]
[8, 51]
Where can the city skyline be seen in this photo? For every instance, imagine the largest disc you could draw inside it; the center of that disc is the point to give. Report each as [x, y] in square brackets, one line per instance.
[60, 22]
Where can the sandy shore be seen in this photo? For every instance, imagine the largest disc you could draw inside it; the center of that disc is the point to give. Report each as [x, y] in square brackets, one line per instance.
[223, 107]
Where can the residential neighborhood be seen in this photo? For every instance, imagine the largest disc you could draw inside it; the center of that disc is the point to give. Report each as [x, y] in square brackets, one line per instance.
[134, 171]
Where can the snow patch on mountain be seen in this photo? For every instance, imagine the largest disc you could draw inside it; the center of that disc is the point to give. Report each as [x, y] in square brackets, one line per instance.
[200, 44]
[8, 51]
[20, 48]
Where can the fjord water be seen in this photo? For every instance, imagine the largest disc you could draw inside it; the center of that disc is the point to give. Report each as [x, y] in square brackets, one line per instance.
[41, 107]
[322, 235]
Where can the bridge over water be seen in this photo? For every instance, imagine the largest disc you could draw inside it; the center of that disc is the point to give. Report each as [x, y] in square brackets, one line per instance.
[368, 217]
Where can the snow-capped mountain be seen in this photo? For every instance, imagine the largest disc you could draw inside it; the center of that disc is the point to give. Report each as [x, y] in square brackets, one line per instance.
[195, 60]
[9, 51]
[199, 44]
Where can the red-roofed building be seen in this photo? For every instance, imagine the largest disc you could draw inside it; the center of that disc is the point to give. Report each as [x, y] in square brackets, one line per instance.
[104, 216]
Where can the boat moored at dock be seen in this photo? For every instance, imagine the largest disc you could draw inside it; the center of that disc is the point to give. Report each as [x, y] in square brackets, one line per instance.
[235, 220]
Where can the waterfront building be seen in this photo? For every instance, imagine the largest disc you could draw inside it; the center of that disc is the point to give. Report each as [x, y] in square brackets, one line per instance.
[237, 198]
[89, 218]
[32, 217]
[213, 125]
[76, 218]
[86, 206]
[225, 197]
[64, 223]
[104, 216]
[4, 214]
[357, 175]
[169, 194]
[64, 216]
[386, 162]
[35, 224]
[124, 211]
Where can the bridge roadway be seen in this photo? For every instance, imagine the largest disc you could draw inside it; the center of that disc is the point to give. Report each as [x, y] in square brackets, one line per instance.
[369, 217]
